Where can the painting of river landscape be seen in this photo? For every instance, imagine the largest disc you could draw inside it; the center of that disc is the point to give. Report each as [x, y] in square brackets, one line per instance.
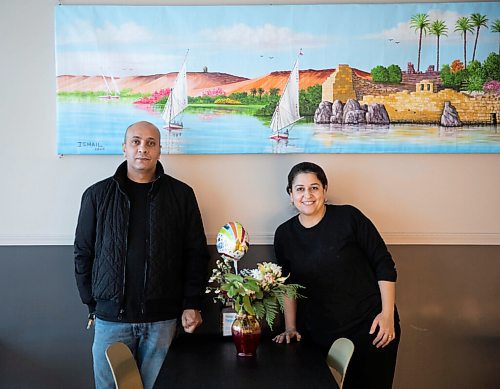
[326, 78]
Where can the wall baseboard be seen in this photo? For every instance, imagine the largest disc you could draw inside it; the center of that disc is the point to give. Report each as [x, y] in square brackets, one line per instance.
[392, 238]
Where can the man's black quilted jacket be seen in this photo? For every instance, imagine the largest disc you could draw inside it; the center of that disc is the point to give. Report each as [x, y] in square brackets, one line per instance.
[177, 259]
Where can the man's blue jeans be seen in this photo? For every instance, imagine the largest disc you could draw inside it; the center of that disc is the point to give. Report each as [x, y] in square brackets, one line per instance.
[149, 342]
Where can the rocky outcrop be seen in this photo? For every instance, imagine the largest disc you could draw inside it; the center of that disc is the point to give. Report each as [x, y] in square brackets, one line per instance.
[337, 112]
[450, 118]
[351, 105]
[353, 114]
[377, 114]
[323, 112]
[350, 113]
[356, 116]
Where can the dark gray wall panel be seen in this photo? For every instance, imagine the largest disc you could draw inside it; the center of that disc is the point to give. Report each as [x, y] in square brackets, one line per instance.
[448, 299]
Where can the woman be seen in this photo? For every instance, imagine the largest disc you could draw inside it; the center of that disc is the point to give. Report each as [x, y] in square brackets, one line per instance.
[349, 278]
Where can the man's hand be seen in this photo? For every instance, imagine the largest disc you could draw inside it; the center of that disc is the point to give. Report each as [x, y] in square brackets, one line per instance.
[191, 318]
[91, 320]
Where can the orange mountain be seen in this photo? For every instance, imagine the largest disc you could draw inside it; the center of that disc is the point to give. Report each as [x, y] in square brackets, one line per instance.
[146, 84]
[198, 82]
[307, 78]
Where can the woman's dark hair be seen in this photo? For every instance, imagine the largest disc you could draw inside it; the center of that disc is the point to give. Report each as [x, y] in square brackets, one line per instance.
[306, 167]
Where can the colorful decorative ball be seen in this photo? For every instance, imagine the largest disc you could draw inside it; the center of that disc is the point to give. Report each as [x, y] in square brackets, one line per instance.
[232, 241]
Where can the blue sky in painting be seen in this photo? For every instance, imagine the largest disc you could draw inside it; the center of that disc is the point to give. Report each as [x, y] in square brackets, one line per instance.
[251, 41]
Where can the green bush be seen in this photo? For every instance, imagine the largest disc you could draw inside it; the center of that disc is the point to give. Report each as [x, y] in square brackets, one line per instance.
[455, 80]
[380, 74]
[475, 77]
[309, 100]
[395, 74]
[491, 67]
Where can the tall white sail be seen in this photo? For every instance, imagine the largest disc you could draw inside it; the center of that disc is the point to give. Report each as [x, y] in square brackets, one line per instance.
[115, 87]
[287, 110]
[178, 99]
[110, 95]
[107, 85]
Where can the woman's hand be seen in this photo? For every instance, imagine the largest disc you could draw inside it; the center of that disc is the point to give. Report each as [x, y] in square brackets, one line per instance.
[386, 333]
[287, 335]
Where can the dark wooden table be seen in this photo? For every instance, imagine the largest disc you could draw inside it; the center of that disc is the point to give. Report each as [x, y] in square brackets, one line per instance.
[200, 361]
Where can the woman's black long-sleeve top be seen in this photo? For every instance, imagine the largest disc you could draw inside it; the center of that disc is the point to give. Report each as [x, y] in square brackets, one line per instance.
[339, 261]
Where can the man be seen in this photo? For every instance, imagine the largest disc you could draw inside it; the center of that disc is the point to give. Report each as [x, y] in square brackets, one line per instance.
[140, 257]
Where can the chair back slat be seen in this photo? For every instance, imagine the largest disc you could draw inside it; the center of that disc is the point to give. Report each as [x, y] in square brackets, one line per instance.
[338, 358]
[123, 366]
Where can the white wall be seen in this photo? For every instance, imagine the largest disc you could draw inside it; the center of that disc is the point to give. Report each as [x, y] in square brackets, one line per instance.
[421, 198]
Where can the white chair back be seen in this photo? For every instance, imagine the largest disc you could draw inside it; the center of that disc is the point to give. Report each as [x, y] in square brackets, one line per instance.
[123, 366]
[338, 358]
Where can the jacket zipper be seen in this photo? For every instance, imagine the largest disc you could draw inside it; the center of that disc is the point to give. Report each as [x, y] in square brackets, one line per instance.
[122, 310]
[122, 297]
[148, 248]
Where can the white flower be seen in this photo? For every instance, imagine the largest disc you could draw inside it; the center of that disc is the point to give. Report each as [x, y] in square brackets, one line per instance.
[272, 268]
[255, 273]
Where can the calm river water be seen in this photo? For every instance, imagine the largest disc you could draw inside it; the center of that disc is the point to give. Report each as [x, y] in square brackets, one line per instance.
[98, 127]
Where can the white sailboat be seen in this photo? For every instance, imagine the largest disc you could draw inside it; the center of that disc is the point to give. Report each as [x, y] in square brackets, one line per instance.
[177, 101]
[287, 110]
[110, 95]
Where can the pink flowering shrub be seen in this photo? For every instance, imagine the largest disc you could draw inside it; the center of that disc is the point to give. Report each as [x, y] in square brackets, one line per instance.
[492, 87]
[214, 92]
[156, 96]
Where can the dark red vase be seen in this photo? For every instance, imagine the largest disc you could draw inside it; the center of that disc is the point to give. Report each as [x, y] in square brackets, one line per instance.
[246, 335]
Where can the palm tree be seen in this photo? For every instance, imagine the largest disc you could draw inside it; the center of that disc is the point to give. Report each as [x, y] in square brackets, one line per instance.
[478, 21]
[420, 22]
[274, 91]
[464, 25]
[495, 27]
[438, 28]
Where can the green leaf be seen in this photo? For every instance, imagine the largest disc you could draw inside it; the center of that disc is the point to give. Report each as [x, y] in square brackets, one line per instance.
[259, 309]
[271, 307]
[233, 277]
[252, 285]
[248, 305]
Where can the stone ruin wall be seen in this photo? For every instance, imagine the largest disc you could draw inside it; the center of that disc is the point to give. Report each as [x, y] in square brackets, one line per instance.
[405, 106]
[344, 84]
[427, 107]
[339, 85]
[410, 76]
[364, 87]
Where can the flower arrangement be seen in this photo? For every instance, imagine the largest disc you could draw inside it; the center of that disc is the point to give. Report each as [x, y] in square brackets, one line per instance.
[258, 292]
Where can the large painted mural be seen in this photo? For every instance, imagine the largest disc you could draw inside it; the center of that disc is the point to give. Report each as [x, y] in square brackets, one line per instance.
[338, 78]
